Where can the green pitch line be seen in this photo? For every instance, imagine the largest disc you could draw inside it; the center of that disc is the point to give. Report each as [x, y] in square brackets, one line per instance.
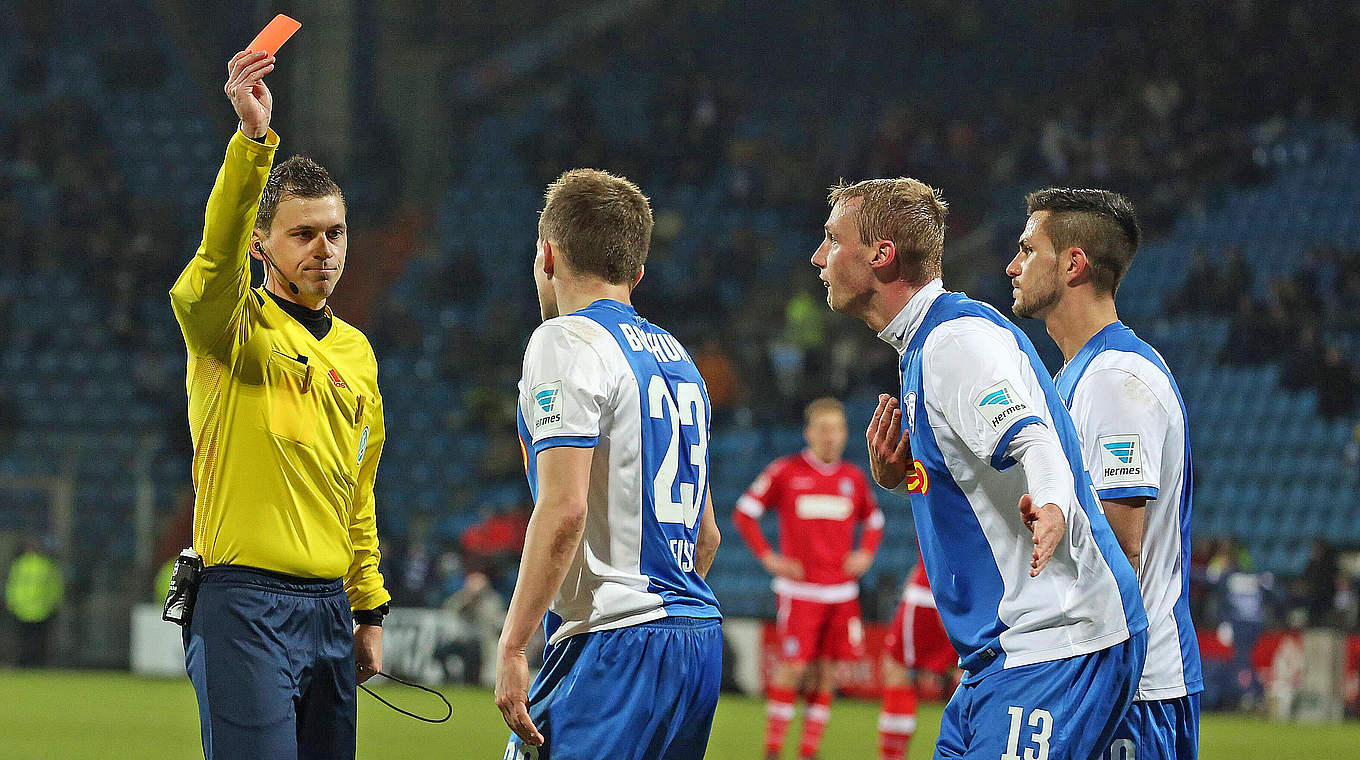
[77, 714]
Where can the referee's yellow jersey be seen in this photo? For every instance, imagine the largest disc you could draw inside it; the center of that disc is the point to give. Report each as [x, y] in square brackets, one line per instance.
[287, 429]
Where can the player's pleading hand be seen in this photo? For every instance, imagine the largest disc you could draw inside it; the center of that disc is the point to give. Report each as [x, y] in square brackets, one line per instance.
[1048, 525]
[889, 445]
[512, 694]
[248, 93]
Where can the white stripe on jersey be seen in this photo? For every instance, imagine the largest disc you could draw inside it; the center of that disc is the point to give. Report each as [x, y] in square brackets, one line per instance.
[1125, 408]
[604, 587]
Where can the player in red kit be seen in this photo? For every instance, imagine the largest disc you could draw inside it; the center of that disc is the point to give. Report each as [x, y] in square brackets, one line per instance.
[917, 649]
[820, 501]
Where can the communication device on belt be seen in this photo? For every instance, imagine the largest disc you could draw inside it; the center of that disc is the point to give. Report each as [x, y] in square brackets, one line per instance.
[179, 602]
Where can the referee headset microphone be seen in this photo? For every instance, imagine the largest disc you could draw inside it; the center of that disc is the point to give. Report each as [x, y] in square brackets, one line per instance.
[270, 259]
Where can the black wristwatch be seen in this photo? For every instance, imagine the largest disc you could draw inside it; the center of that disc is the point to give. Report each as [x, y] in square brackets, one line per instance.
[373, 616]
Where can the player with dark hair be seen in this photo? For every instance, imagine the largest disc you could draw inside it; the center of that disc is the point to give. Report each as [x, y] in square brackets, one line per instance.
[1128, 411]
[614, 420]
[820, 500]
[1036, 596]
[287, 425]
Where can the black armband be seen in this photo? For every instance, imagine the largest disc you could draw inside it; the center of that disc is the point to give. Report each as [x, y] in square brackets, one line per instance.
[371, 617]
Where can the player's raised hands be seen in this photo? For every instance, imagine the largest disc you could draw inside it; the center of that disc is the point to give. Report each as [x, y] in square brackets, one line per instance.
[512, 695]
[248, 93]
[1048, 526]
[889, 445]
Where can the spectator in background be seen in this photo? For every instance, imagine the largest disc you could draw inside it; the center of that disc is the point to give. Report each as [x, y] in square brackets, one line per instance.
[1319, 584]
[33, 592]
[1336, 385]
[483, 609]
[720, 376]
[1245, 598]
[493, 546]
[9, 419]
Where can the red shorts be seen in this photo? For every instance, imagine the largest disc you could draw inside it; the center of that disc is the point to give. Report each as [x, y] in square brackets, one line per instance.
[917, 639]
[808, 631]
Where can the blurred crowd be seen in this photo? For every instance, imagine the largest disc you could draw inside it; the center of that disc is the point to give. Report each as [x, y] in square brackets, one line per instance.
[1303, 322]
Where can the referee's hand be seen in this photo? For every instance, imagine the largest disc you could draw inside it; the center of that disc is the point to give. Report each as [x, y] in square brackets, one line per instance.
[367, 651]
[247, 92]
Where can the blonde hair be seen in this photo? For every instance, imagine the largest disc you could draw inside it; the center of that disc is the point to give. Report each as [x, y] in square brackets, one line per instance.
[823, 405]
[908, 212]
[602, 222]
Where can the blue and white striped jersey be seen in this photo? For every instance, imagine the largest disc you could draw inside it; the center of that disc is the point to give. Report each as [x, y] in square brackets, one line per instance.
[1132, 422]
[603, 377]
[971, 382]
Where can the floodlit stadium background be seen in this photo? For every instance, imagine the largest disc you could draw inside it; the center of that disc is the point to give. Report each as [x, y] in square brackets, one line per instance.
[1232, 128]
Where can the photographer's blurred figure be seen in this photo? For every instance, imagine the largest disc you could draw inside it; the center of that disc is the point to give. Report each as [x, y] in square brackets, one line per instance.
[287, 427]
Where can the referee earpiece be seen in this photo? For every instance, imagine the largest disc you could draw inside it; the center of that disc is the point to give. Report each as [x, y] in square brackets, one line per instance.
[270, 260]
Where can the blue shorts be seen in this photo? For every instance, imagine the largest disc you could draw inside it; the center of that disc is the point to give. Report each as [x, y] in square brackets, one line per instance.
[1063, 709]
[271, 658]
[646, 691]
[1164, 729]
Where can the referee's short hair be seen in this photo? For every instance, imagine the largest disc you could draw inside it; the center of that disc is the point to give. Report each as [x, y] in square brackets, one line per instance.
[602, 222]
[300, 177]
[1101, 223]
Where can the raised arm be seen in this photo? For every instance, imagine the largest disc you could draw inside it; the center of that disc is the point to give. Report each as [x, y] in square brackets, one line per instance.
[210, 295]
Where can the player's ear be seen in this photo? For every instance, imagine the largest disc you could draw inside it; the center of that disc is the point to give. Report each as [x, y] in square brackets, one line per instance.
[885, 254]
[1076, 266]
[549, 257]
[642, 270]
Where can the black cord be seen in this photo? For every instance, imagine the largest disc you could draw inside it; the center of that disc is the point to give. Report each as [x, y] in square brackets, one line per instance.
[412, 684]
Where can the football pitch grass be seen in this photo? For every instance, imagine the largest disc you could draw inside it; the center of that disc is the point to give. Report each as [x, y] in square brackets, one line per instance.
[76, 714]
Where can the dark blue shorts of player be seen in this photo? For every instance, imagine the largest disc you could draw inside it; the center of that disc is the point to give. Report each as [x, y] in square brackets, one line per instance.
[1163, 729]
[271, 658]
[1061, 710]
[644, 692]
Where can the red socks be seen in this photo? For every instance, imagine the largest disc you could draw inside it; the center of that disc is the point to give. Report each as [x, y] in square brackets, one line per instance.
[816, 715]
[778, 712]
[896, 723]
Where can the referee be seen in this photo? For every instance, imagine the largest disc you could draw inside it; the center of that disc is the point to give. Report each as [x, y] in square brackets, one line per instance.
[287, 427]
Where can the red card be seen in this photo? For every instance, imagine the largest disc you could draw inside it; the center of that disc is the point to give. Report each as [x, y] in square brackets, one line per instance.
[272, 37]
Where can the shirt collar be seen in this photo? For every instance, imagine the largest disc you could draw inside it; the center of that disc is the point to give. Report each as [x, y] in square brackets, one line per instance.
[900, 330]
[825, 468]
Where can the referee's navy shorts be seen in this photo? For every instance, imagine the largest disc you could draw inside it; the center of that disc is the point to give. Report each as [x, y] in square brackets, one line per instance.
[271, 658]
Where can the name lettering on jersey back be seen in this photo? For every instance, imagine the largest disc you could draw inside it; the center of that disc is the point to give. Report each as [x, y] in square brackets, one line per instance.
[660, 345]
[819, 506]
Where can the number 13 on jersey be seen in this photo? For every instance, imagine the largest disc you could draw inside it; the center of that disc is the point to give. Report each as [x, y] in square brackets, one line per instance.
[688, 444]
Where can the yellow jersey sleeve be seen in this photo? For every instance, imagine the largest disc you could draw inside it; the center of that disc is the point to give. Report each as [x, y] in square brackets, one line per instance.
[363, 582]
[209, 298]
